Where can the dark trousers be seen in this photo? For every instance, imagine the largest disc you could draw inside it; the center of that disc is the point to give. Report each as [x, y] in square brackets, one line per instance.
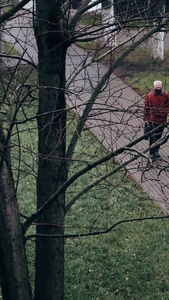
[155, 137]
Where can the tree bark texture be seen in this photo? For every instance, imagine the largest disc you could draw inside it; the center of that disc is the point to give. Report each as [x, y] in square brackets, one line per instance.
[158, 46]
[50, 35]
[108, 20]
[13, 267]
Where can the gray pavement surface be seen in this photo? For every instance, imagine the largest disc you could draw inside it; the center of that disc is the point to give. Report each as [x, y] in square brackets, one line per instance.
[116, 118]
[116, 121]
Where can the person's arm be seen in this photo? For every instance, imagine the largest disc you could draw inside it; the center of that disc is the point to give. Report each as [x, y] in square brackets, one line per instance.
[167, 102]
[146, 109]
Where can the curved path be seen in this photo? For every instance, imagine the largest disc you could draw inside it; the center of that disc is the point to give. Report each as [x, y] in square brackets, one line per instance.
[116, 118]
[116, 121]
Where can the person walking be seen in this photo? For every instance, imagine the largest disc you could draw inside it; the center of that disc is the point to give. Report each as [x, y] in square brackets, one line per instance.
[156, 108]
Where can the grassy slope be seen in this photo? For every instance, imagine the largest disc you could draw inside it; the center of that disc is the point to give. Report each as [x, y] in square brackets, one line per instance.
[130, 262]
[140, 71]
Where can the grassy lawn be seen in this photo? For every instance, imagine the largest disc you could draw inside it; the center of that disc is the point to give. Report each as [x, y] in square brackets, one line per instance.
[91, 19]
[139, 70]
[129, 262]
[10, 50]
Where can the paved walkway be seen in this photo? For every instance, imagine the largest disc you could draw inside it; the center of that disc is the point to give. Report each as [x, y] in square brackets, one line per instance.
[116, 118]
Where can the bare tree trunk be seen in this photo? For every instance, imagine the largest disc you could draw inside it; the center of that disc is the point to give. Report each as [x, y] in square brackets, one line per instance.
[49, 281]
[158, 40]
[13, 268]
[1, 34]
[158, 46]
[108, 21]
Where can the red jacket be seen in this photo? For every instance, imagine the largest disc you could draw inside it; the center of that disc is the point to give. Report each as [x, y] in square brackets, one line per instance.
[156, 108]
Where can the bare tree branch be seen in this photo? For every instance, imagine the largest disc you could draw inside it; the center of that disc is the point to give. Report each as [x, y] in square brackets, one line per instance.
[95, 232]
[5, 16]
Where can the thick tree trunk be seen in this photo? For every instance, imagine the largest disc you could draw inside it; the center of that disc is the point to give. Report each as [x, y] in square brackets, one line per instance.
[13, 268]
[49, 278]
[159, 37]
[108, 20]
[158, 46]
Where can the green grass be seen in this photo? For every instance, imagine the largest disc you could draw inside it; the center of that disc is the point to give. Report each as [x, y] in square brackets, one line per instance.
[139, 70]
[129, 262]
[10, 50]
[91, 19]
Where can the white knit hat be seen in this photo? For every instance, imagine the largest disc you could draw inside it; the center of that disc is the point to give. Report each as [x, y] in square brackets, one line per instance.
[157, 82]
